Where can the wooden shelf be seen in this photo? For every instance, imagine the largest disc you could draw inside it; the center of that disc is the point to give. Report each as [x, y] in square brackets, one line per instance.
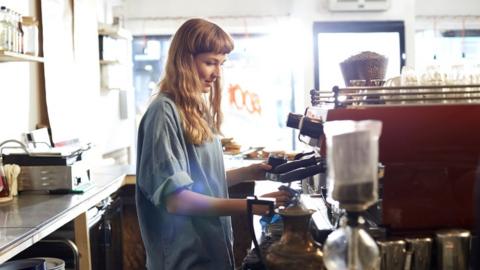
[113, 31]
[131, 88]
[7, 56]
[109, 62]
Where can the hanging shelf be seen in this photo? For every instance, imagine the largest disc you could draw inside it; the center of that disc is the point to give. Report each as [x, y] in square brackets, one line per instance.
[113, 31]
[109, 62]
[8, 56]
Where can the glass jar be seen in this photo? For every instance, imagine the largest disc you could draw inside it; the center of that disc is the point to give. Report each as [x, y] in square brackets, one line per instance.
[30, 35]
[4, 29]
[4, 191]
[12, 34]
[352, 157]
[350, 247]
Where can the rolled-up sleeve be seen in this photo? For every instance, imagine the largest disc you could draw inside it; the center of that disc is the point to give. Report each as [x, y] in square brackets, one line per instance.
[161, 156]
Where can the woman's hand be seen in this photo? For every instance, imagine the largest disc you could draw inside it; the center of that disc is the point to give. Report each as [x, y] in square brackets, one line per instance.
[252, 172]
[257, 171]
[282, 197]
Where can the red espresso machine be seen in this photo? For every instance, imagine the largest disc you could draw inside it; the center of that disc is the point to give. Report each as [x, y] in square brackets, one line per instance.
[430, 146]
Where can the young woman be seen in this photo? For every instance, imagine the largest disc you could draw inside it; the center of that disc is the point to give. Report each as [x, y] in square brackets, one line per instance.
[182, 197]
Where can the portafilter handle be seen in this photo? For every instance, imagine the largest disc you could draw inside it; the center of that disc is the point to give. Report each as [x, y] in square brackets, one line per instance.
[251, 201]
[296, 170]
[276, 161]
[293, 165]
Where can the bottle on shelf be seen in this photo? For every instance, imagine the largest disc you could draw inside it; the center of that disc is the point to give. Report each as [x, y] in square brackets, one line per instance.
[12, 34]
[19, 31]
[4, 29]
[30, 35]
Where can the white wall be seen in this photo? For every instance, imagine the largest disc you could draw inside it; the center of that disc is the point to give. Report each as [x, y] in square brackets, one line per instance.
[164, 17]
[447, 7]
[19, 105]
[174, 8]
[446, 14]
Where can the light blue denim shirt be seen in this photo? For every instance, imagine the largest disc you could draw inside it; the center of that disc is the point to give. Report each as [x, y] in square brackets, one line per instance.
[166, 163]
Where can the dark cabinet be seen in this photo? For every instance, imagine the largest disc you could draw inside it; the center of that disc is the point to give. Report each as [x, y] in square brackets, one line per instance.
[106, 238]
[133, 251]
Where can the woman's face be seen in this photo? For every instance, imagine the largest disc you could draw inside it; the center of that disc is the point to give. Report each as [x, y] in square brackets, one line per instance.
[209, 67]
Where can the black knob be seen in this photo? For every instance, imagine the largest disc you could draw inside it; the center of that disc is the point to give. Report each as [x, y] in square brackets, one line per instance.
[275, 161]
[312, 128]
[293, 120]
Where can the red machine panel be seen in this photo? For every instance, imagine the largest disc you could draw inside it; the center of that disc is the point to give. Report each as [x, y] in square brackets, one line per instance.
[430, 153]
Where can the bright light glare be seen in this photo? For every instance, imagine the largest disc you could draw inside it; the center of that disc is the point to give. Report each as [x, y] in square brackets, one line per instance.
[152, 85]
[288, 39]
[153, 49]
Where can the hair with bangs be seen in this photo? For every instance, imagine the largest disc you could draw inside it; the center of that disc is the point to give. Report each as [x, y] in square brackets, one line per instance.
[201, 118]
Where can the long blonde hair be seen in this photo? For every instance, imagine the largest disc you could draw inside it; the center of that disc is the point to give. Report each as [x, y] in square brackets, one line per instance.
[201, 119]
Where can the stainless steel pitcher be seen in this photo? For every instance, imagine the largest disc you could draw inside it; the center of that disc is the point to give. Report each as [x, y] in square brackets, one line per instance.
[392, 253]
[453, 249]
[419, 253]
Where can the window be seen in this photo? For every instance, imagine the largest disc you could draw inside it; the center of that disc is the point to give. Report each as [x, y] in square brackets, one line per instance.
[258, 93]
[336, 41]
[149, 56]
[258, 88]
[450, 47]
[447, 49]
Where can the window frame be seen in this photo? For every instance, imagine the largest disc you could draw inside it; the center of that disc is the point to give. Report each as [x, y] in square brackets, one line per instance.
[355, 27]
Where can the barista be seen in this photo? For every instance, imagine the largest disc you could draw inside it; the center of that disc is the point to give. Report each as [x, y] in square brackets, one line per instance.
[181, 193]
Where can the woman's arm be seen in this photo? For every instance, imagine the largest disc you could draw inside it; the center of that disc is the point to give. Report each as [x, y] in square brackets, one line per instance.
[251, 172]
[235, 176]
[187, 202]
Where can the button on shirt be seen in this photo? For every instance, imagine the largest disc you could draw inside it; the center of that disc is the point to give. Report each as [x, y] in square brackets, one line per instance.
[166, 163]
